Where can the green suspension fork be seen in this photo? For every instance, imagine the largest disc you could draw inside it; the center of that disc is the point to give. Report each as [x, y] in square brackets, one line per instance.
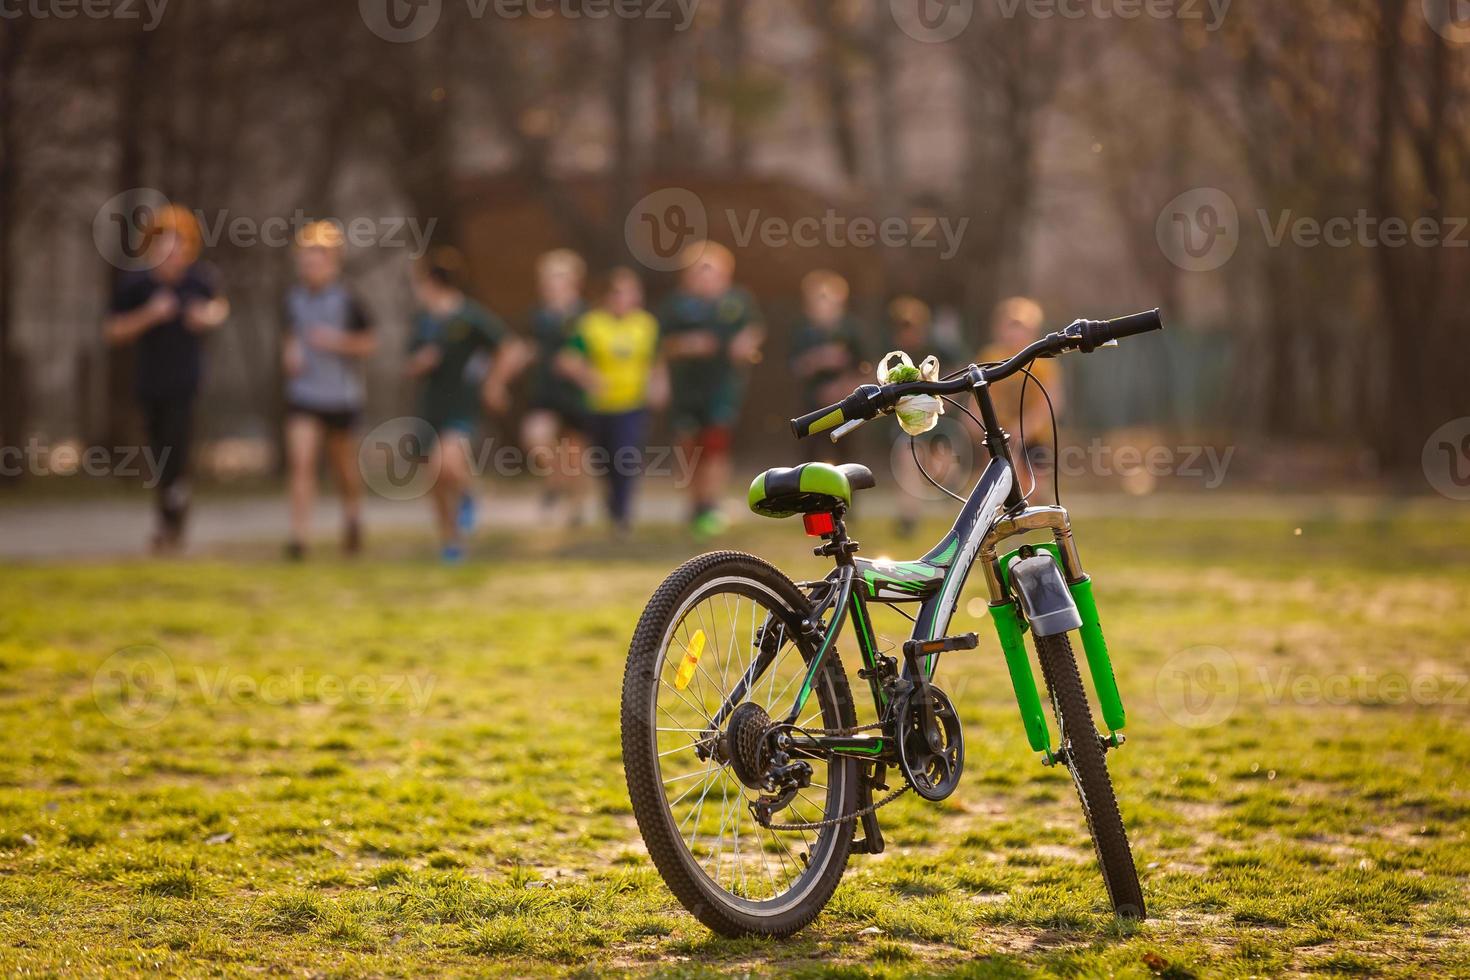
[1010, 627]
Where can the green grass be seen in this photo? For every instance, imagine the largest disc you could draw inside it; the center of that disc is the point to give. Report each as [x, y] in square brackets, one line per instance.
[398, 768]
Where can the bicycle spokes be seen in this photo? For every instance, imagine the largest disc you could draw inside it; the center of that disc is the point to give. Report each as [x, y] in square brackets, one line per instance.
[723, 643]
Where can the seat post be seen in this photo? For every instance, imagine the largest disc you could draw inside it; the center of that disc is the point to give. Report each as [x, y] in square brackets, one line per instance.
[837, 545]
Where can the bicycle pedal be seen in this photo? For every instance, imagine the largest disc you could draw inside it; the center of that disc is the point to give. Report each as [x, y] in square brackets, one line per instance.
[925, 648]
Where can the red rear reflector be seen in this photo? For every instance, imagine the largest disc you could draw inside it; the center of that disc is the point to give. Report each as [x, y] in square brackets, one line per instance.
[819, 524]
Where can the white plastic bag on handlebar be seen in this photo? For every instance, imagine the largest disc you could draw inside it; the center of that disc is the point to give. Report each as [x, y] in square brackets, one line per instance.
[917, 414]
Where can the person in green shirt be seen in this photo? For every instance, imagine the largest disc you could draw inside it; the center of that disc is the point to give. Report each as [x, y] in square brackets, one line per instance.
[826, 349]
[463, 357]
[613, 356]
[712, 333]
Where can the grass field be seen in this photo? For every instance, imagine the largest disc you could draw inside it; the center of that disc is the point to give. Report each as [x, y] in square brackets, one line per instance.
[396, 768]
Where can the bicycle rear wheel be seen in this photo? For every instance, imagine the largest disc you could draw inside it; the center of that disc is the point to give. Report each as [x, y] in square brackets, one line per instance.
[708, 620]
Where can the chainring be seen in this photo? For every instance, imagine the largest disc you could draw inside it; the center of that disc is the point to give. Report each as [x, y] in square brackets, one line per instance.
[933, 774]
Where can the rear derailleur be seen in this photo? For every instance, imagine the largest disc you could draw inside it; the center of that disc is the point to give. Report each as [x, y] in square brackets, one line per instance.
[761, 764]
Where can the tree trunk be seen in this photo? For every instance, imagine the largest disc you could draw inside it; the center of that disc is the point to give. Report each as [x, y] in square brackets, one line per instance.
[732, 59]
[12, 380]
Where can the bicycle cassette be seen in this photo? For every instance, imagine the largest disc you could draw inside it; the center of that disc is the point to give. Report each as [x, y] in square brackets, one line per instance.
[931, 759]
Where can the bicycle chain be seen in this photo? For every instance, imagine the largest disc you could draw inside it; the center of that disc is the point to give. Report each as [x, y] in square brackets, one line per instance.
[856, 814]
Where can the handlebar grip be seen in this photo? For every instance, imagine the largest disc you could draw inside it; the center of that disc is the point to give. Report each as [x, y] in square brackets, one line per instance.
[1095, 333]
[819, 421]
[1127, 326]
[861, 404]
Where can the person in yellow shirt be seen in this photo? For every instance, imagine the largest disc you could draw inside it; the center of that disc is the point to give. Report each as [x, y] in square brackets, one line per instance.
[1015, 323]
[613, 356]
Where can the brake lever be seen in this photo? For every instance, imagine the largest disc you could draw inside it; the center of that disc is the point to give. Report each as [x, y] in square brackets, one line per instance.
[847, 427]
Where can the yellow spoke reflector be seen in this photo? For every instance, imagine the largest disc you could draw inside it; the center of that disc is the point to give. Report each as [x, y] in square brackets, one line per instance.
[691, 660]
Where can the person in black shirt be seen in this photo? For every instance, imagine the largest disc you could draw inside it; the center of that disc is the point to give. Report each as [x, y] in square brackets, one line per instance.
[165, 309]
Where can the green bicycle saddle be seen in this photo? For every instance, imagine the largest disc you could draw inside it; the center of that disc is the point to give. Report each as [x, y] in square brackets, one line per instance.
[810, 488]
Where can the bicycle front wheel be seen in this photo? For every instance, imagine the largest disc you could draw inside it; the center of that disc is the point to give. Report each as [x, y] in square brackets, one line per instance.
[702, 637]
[1082, 748]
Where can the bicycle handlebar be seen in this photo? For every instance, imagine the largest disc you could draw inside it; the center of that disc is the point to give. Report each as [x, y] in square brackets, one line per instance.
[868, 401]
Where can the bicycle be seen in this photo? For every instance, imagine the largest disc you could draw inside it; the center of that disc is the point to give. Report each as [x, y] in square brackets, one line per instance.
[708, 703]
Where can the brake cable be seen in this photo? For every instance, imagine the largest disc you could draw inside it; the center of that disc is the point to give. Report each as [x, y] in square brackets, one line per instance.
[1056, 483]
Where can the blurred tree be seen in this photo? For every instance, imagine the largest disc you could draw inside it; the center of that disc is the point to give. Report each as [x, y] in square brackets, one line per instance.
[12, 377]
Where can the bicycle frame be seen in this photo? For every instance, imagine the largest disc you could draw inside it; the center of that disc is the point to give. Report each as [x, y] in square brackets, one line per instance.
[994, 512]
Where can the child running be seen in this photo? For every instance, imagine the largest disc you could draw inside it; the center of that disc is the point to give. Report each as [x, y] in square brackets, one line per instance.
[910, 329]
[613, 356]
[553, 426]
[1015, 323]
[328, 338]
[712, 333]
[165, 310]
[453, 337]
[825, 349]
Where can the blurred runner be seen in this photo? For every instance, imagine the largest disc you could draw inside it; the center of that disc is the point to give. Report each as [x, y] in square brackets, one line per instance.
[328, 337]
[165, 310]
[909, 329]
[712, 333]
[553, 429]
[613, 356]
[463, 357]
[826, 349]
[1015, 323]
